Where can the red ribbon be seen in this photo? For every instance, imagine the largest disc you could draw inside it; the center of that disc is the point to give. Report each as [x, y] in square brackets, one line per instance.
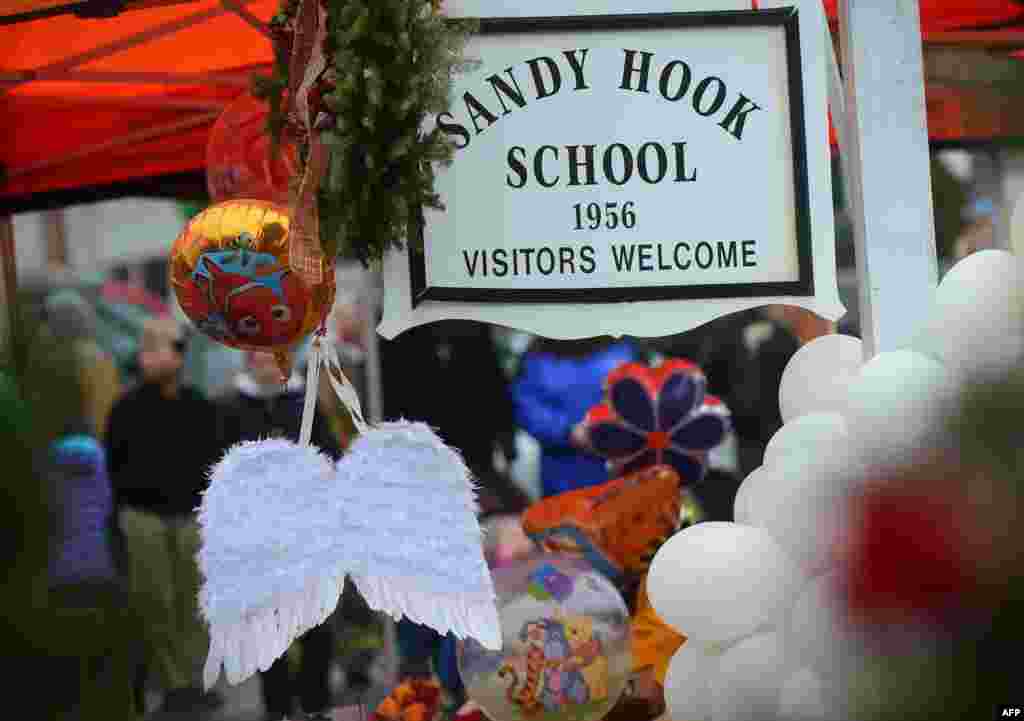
[307, 63]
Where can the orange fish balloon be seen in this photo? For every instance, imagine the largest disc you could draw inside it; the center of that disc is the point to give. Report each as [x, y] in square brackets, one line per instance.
[229, 270]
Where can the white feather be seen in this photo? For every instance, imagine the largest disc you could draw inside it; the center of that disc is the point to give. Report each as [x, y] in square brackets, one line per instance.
[258, 548]
[411, 500]
[281, 529]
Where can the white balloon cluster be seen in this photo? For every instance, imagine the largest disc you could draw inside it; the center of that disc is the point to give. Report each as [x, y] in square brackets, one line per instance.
[755, 598]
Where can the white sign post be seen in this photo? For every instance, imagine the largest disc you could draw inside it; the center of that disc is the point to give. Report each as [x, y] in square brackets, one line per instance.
[887, 165]
[629, 174]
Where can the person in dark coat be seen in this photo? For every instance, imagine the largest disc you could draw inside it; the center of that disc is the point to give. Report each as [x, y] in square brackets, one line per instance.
[161, 441]
[448, 374]
[260, 407]
[65, 616]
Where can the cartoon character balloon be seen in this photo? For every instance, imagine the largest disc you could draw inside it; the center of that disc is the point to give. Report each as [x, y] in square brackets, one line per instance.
[565, 654]
[229, 269]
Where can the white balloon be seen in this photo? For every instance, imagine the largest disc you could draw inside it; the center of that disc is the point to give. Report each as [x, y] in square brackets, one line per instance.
[759, 481]
[812, 627]
[897, 401]
[802, 697]
[811, 434]
[749, 677]
[976, 325]
[816, 377]
[686, 683]
[796, 501]
[719, 581]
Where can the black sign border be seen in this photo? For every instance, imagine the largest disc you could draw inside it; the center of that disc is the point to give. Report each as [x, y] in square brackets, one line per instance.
[788, 19]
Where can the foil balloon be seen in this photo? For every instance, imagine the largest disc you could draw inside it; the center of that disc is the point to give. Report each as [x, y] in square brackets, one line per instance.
[565, 654]
[240, 159]
[229, 270]
[616, 526]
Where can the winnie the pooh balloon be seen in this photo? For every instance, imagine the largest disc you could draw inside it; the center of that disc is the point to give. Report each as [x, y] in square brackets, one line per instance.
[229, 270]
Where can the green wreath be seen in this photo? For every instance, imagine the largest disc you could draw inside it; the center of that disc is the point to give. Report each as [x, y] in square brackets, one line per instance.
[391, 64]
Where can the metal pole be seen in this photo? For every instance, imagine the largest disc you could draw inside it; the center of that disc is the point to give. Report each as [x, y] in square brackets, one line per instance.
[374, 393]
[887, 161]
[129, 139]
[127, 43]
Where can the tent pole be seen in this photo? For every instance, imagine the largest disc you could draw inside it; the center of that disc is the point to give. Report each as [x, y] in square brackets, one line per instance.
[126, 43]
[98, 76]
[239, 9]
[57, 257]
[888, 166]
[159, 102]
[129, 139]
[10, 323]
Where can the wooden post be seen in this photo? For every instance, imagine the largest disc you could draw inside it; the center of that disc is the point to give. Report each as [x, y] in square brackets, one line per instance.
[10, 319]
[56, 241]
[886, 157]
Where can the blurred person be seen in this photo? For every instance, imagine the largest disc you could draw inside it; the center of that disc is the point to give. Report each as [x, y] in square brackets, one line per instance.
[743, 356]
[64, 614]
[979, 231]
[448, 375]
[72, 319]
[558, 382]
[86, 587]
[259, 407]
[162, 439]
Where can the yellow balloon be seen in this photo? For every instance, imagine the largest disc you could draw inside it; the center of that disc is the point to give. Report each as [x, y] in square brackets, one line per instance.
[230, 272]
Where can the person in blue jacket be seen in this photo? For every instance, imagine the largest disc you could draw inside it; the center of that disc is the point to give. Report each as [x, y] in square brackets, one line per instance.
[558, 382]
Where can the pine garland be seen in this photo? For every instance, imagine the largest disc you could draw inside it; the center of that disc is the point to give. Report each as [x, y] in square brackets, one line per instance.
[390, 65]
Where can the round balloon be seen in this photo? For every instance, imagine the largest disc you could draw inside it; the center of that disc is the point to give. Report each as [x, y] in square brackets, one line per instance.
[810, 434]
[718, 581]
[687, 692]
[565, 654]
[229, 270]
[240, 159]
[748, 679]
[976, 324]
[816, 377]
[899, 400]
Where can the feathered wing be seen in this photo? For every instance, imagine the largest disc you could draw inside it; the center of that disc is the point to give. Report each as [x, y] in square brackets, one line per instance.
[267, 575]
[411, 501]
[281, 528]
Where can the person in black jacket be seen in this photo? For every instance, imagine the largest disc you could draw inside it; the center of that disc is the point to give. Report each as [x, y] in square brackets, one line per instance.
[260, 407]
[448, 374]
[161, 442]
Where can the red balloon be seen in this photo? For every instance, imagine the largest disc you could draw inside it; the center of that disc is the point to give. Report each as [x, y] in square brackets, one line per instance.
[240, 162]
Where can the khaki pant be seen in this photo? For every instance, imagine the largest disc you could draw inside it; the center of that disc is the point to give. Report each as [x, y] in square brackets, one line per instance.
[164, 581]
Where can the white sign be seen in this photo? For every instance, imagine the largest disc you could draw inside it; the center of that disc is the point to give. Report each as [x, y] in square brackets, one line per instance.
[603, 160]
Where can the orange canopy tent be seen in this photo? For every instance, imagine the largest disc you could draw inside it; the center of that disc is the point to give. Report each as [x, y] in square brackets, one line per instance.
[90, 102]
[100, 93]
